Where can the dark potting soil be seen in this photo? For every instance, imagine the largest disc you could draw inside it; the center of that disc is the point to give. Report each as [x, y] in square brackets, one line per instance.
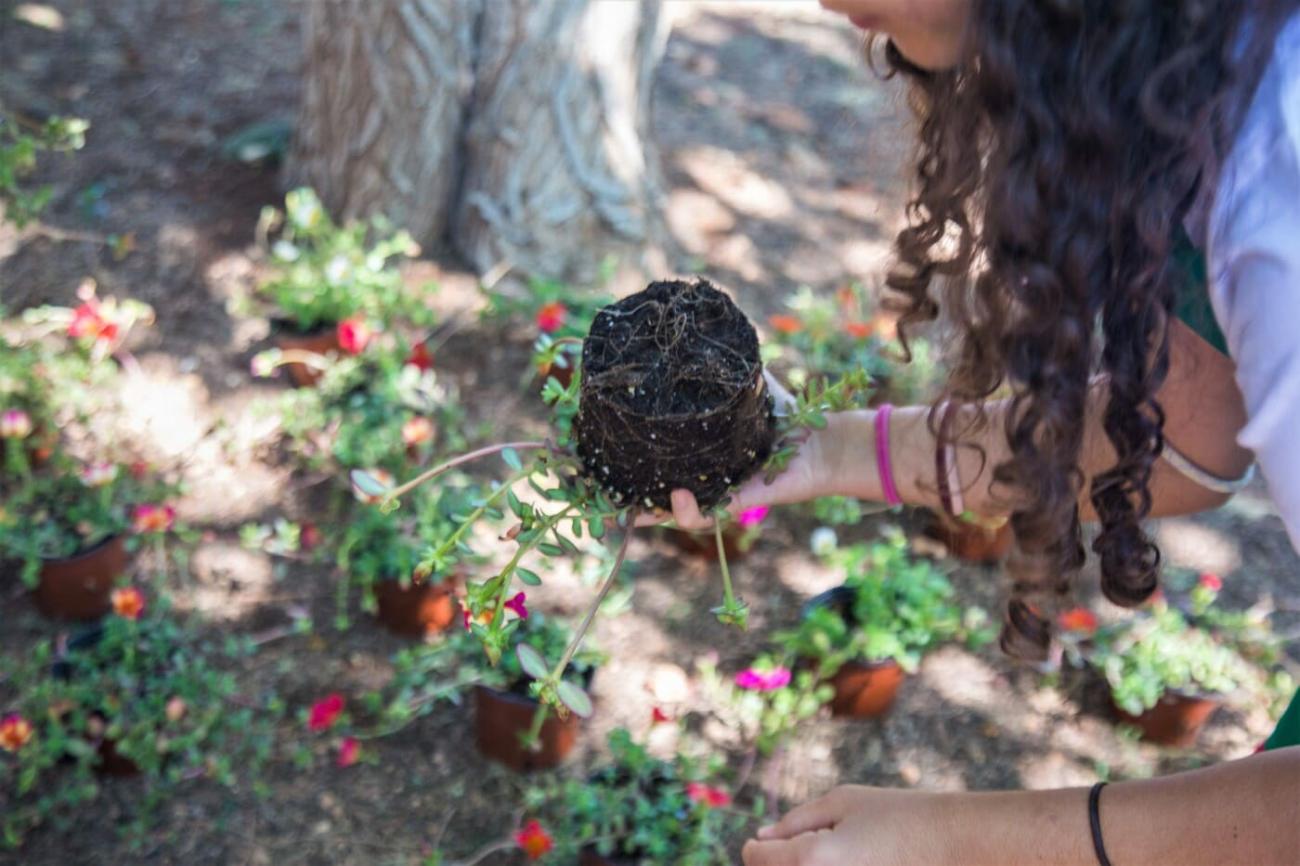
[672, 396]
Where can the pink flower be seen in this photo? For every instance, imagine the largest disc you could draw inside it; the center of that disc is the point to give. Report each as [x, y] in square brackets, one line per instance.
[128, 603]
[98, 474]
[1079, 620]
[349, 752]
[325, 712]
[465, 617]
[550, 318]
[1212, 582]
[763, 681]
[707, 795]
[353, 335]
[152, 518]
[752, 516]
[15, 424]
[516, 604]
[533, 840]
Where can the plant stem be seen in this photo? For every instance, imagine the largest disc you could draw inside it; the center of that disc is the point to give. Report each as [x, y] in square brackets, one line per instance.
[479, 512]
[728, 597]
[430, 474]
[547, 523]
[532, 738]
[593, 607]
[487, 850]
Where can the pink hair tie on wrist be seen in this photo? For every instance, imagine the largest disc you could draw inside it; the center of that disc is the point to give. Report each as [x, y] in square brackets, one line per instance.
[884, 466]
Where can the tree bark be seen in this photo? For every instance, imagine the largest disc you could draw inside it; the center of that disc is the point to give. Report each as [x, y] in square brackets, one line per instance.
[516, 130]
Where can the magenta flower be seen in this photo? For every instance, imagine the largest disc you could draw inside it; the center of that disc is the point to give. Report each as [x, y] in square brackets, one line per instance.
[516, 604]
[763, 681]
[752, 516]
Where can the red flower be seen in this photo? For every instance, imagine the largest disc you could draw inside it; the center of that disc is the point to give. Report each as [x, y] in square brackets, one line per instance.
[420, 357]
[353, 335]
[1212, 582]
[516, 604]
[152, 518]
[858, 330]
[349, 752]
[309, 536]
[707, 795]
[89, 321]
[325, 712]
[15, 731]
[417, 431]
[1079, 620]
[128, 603]
[659, 717]
[139, 470]
[784, 324]
[550, 318]
[533, 840]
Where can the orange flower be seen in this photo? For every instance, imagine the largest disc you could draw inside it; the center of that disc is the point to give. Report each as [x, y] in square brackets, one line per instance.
[1079, 620]
[349, 752]
[533, 840]
[784, 324]
[175, 709]
[15, 731]
[858, 330]
[128, 603]
[417, 431]
[89, 321]
[353, 335]
[152, 518]
[885, 326]
[550, 318]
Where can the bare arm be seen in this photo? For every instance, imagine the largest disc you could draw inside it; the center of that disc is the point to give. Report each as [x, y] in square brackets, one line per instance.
[1242, 812]
[1204, 413]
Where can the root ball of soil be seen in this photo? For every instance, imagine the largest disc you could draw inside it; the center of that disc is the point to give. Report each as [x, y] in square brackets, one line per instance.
[672, 396]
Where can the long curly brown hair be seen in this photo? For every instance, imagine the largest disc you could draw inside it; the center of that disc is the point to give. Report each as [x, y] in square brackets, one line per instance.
[1057, 162]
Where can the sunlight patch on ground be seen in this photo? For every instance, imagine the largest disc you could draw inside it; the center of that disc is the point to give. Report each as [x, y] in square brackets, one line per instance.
[1193, 545]
[229, 581]
[164, 408]
[805, 575]
[723, 174]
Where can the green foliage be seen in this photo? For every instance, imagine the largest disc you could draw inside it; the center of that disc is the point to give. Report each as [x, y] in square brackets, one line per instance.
[1158, 652]
[898, 607]
[767, 717]
[154, 692]
[21, 144]
[637, 808]
[325, 273]
[580, 307]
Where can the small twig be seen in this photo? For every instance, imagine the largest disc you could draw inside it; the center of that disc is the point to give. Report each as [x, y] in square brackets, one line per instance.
[66, 236]
[486, 851]
[430, 474]
[595, 605]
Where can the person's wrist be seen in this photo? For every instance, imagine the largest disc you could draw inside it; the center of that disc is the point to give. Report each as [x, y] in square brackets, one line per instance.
[848, 463]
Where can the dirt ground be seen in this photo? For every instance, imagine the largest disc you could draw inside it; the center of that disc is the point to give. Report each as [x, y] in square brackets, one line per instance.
[785, 159]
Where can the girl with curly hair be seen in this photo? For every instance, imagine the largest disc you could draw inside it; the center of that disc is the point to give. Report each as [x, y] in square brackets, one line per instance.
[1106, 212]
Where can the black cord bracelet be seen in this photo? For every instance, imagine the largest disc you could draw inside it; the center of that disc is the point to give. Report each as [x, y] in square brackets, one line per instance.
[1094, 819]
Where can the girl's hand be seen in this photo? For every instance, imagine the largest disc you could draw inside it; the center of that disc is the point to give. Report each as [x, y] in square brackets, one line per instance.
[857, 826]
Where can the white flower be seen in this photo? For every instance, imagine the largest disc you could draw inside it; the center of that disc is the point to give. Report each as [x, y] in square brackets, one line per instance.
[98, 474]
[823, 541]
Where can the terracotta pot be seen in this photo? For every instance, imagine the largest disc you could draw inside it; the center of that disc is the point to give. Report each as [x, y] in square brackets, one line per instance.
[972, 543]
[321, 341]
[416, 609]
[501, 718]
[79, 587]
[866, 690]
[863, 690]
[563, 375]
[705, 546]
[1175, 721]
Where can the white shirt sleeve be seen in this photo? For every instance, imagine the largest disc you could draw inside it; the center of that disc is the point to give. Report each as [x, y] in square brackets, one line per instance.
[1254, 271]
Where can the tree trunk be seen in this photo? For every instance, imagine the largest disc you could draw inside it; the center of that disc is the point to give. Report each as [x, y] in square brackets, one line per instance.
[517, 130]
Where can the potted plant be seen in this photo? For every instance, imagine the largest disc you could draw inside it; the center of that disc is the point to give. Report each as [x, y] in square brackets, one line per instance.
[27, 426]
[864, 635]
[1166, 677]
[381, 408]
[512, 726]
[139, 694]
[68, 528]
[626, 434]
[634, 808]
[331, 285]
[766, 701]
[381, 550]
